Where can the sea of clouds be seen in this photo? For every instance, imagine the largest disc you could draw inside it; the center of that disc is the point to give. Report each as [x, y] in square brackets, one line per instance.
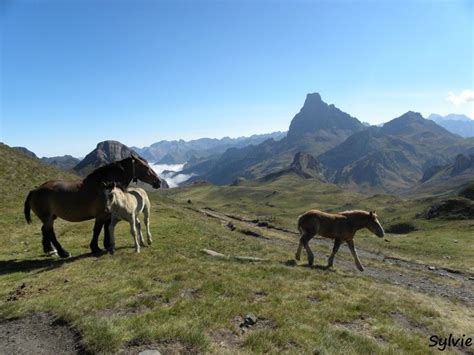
[173, 181]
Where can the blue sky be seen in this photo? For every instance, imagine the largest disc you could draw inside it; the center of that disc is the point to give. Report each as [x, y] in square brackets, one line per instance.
[74, 73]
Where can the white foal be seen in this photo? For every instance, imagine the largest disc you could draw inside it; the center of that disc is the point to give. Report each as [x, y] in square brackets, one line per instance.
[127, 204]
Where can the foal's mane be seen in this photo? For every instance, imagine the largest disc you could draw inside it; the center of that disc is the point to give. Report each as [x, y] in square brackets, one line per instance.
[354, 212]
[110, 185]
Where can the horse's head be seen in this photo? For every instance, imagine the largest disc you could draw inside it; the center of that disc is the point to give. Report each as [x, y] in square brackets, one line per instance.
[374, 225]
[142, 171]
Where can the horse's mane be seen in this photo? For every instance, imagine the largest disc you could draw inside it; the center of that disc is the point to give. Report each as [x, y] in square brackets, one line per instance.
[101, 173]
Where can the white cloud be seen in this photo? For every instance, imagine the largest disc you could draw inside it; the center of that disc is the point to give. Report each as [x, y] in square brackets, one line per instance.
[168, 171]
[462, 98]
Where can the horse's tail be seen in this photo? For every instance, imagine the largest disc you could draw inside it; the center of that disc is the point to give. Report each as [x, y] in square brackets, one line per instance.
[27, 208]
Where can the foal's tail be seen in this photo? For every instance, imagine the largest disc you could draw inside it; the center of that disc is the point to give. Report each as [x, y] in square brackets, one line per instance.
[27, 208]
[298, 225]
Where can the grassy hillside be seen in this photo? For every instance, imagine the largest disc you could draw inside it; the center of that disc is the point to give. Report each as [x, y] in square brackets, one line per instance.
[175, 298]
[441, 242]
[18, 175]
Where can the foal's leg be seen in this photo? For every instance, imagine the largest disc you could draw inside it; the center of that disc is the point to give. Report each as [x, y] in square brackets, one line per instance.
[139, 229]
[94, 245]
[146, 216]
[335, 248]
[298, 251]
[350, 243]
[133, 231]
[47, 229]
[304, 240]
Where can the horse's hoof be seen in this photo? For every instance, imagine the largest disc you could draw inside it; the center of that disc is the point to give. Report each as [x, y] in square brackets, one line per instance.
[149, 242]
[112, 251]
[65, 254]
[52, 253]
[361, 268]
[97, 251]
[297, 257]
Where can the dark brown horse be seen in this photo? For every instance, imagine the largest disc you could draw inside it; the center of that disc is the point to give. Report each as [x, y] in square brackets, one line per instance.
[77, 201]
[341, 227]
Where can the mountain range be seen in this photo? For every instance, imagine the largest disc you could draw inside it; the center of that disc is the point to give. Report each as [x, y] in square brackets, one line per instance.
[180, 151]
[390, 158]
[458, 124]
[322, 142]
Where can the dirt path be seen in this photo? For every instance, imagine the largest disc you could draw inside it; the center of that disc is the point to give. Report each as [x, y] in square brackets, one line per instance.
[39, 333]
[445, 282]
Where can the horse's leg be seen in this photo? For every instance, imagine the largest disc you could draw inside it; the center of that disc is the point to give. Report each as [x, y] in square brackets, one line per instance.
[146, 216]
[47, 246]
[350, 243]
[49, 231]
[335, 248]
[139, 230]
[94, 245]
[111, 230]
[107, 234]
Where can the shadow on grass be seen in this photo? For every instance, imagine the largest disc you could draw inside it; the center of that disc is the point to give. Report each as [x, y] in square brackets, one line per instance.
[293, 263]
[42, 264]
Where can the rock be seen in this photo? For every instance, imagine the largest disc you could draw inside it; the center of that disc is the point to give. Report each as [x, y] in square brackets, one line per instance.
[213, 253]
[250, 319]
[401, 228]
[431, 268]
[149, 352]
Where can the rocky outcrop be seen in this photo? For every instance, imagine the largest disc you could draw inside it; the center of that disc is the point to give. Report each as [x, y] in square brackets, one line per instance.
[106, 152]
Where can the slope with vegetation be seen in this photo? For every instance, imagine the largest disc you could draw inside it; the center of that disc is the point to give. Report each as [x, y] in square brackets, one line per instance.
[175, 298]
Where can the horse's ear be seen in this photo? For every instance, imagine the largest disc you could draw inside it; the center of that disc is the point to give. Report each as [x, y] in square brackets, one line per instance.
[114, 184]
[371, 214]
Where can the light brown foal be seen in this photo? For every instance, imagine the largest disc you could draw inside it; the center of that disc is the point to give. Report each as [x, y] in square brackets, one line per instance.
[341, 227]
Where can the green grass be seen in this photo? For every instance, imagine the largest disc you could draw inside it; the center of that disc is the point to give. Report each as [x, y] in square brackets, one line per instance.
[172, 293]
[439, 242]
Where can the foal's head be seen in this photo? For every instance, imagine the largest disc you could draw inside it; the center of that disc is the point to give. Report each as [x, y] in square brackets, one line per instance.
[111, 190]
[374, 225]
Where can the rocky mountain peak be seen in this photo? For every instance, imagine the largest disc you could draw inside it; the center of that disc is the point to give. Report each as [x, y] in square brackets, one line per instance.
[316, 115]
[105, 152]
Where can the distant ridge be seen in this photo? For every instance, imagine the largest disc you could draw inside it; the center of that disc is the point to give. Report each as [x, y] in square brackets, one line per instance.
[180, 151]
[458, 124]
